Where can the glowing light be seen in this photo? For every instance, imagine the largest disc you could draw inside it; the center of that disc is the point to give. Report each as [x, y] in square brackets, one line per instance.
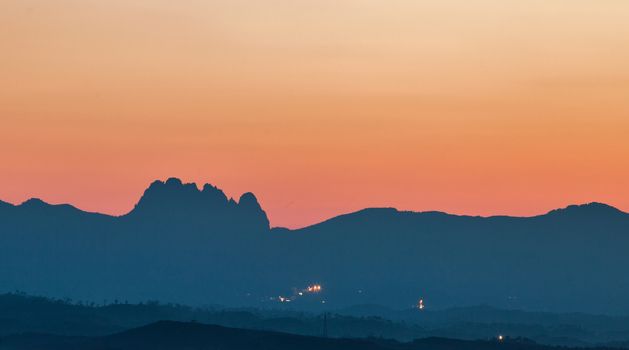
[501, 337]
[420, 304]
[298, 293]
[315, 288]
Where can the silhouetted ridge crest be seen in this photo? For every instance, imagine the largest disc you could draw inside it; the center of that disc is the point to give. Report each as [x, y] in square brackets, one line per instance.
[194, 244]
[174, 200]
[38, 205]
[173, 196]
[34, 203]
[249, 206]
[592, 210]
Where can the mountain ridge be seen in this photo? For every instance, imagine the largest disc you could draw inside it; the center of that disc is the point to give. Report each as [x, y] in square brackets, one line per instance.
[193, 245]
[210, 195]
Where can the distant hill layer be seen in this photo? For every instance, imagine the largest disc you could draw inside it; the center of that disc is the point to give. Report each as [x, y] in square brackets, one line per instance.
[178, 335]
[195, 246]
[26, 314]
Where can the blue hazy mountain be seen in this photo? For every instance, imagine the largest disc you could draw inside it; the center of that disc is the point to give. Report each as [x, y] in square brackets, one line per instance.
[196, 246]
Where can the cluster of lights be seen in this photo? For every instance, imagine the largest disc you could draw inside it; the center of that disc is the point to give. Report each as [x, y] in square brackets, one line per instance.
[420, 304]
[311, 289]
[315, 288]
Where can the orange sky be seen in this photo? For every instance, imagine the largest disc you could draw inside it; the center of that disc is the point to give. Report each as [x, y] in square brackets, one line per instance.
[319, 107]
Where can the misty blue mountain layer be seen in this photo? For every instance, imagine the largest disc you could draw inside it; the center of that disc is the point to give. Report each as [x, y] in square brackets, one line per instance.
[196, 246]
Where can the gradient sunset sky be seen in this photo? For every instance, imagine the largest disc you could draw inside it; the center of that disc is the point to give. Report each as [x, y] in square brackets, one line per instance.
[318, 107]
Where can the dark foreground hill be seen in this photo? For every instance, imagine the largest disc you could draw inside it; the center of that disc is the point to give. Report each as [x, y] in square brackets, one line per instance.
[195, 246]
[178, 335]
[26, 314]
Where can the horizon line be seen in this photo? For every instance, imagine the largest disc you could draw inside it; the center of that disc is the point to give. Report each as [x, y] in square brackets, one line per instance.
[323, 220]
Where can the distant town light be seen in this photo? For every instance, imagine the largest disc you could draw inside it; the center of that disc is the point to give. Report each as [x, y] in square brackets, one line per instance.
[315, 288]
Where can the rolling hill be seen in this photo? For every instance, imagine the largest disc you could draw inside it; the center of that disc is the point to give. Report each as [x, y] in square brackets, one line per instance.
[195, 246]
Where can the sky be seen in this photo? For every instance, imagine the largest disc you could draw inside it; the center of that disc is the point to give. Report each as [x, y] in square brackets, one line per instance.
[319, 107]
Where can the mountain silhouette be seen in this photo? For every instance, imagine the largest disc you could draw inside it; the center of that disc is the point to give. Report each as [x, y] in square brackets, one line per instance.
[196, 246]
[173, 199]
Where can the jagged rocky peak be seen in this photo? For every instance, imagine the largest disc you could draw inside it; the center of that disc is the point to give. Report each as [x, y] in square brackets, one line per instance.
[213, 192]
[248, 204]
[249, 201]
[174, 190]
[173, 197]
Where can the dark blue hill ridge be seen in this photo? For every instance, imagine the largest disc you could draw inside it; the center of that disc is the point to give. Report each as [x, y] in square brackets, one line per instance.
[191, 335]
[197, 246]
